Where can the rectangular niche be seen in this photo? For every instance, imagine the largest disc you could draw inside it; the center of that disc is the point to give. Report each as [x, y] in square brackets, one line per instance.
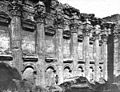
[91, 47]
[67, 48]
[80, 50]
[28, 43]
[4, 42]
[50, 46]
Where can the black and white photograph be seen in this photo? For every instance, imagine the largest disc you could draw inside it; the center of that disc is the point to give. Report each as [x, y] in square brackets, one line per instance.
[59, 45]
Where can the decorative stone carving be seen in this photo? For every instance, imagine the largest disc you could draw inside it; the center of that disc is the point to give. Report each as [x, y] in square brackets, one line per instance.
[28, 11]
[75, 20]
[59, 20]
[39, 12]
[15, 8]
[54, 4]
[3, 6]
[86, 24]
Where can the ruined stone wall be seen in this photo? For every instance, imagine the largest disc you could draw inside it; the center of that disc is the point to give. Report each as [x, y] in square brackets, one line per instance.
[53, 46]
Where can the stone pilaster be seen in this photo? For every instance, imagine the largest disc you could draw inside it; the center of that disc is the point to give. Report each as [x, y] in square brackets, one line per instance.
[39, 17]
[59, 36]
[86, 32]
[110, 49]
[74, 29]
[97, 53]
[104, 47]
[15, 9]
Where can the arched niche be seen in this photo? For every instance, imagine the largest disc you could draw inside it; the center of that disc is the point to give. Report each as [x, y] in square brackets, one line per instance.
[100, 68]
[67, 68]
[50, 76]
[92, 68]
[50, 68]
[80, 68]
[29, 73]
[92, 74]
[5, 44]
[101, 71]
[67, 72]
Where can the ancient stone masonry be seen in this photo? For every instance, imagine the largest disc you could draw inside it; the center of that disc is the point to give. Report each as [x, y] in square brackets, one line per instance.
[57, 45]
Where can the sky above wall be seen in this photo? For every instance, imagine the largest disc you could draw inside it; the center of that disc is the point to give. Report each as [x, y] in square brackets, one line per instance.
[101, 8]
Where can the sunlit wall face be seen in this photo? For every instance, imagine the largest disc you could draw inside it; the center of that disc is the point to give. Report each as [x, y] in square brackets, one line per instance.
[101, 8]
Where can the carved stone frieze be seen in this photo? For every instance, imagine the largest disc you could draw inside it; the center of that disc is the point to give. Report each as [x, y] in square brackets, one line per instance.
[59, 22]
[28, 11]
[3, 6]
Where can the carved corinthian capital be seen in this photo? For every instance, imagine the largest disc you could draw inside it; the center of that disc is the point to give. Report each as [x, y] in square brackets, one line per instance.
[39, 11]
[15, 8]
[59, 21]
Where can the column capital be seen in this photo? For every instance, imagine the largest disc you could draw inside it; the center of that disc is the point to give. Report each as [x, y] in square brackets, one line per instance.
[87, 29]
[74, 25]
[39, 12]
[59, 20]
[104, 37]
[108, 27]
[15, 8]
